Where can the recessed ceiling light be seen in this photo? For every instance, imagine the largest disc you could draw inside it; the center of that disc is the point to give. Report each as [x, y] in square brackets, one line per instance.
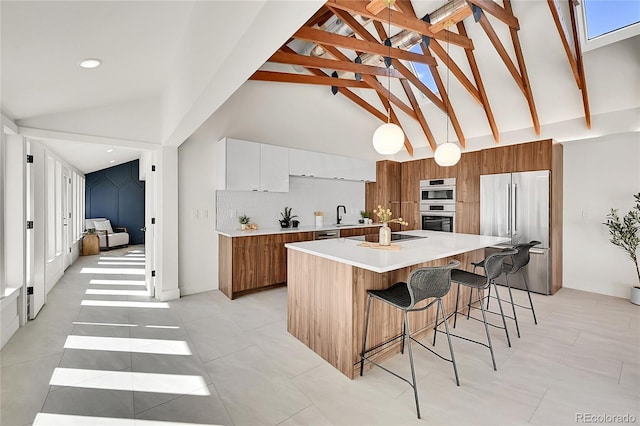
[90, 63]
[112, 161]
[110, 150]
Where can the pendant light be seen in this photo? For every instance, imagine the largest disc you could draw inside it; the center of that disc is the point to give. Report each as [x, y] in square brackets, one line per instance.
[447, 154]
[388, 139]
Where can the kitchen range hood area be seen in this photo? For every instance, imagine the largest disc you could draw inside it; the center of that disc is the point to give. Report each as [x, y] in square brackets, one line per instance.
[529, 207]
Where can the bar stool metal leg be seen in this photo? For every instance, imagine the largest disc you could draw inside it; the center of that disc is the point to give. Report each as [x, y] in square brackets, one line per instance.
[486, 329]
[446, 327]
[504, 322]
[435, 324]
[364, 340]
[413, 372]
[455, 314]
[526, 286]
[513, 306]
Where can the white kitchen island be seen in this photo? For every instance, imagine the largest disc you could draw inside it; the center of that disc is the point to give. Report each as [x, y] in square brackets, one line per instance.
[328, 282]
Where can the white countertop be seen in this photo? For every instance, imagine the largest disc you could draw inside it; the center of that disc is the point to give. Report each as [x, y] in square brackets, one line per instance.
[271, 231]
[437, 245]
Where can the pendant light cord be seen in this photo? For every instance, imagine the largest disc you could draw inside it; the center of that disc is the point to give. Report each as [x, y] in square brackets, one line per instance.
[389, 68]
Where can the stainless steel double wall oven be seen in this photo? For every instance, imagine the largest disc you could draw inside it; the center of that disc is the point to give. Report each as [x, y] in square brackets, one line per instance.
[438, 204]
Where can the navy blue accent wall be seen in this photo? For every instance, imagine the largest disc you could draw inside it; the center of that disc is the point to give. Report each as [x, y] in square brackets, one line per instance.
[117, 194]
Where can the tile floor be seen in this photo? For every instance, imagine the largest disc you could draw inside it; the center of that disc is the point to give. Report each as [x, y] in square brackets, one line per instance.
[204, 359]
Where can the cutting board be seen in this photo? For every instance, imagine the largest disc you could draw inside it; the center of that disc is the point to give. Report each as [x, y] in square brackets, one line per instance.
[378, 246]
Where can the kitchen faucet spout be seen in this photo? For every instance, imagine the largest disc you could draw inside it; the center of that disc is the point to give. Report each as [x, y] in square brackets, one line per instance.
[338, 217]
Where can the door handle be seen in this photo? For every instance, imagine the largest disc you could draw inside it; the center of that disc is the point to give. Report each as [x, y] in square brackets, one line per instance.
[515, 208]
[508, 208]
[144, 229]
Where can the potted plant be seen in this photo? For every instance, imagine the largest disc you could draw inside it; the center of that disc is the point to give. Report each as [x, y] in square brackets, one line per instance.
[365, 217]
[625, 233]
[285, 222]
[244, 221]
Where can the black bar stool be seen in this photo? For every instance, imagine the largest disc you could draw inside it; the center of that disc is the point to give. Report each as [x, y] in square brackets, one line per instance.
[493, 265]
[518, 262]
[422, 283]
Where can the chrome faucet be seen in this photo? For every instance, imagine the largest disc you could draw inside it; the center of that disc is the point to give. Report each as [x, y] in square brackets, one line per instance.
[338, 218]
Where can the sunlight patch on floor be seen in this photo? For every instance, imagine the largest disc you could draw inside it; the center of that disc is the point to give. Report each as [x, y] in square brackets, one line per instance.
[117, 292]
[117, 282]
[178, 384]
[125, 304]
[127, 271]
[126, 344]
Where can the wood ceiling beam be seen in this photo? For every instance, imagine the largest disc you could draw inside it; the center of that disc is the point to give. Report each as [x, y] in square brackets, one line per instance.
[346, 92]
[457, 72]
[313, 62]
[450, 111]
[400, 19]
[393, 118]
[366, 35]
[416, 107]
[497, 44]
[555, 13]
[319, 18]
[409, 75]
[282, 77]
[376, 85]
[330, 39]
[494, 9]
[523, 71]
[408, 91]
[583, 80]
[480, 85]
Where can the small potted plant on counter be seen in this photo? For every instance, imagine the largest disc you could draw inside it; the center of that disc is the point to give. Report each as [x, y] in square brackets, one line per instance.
[365, 217]
[285, 222]
[625, 233]
[244, 221]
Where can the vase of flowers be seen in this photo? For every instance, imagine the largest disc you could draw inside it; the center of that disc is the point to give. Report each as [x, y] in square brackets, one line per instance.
[384, 215]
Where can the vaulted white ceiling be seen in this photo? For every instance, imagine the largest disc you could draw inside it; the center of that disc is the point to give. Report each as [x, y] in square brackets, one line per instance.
[172, 68]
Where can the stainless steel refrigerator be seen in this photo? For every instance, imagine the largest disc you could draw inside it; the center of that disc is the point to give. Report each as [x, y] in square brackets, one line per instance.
[516, 205]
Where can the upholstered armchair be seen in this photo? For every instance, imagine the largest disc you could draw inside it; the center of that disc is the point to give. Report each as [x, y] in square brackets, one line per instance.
[109, 236]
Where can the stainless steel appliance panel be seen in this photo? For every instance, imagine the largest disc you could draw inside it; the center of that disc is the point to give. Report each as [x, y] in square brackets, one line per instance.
[537, 271]
[530, 207]
[495, 205]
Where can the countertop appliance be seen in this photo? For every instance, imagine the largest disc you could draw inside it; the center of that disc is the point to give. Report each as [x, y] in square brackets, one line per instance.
[516, 205]
[373, 238]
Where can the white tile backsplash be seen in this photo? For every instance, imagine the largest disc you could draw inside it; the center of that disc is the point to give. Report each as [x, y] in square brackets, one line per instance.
[305, 196]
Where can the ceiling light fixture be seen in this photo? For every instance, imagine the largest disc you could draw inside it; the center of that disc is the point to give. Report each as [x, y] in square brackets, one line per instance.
[388, 139]
[447, 154]
[112, 161]
[110, 150]
[90, 63]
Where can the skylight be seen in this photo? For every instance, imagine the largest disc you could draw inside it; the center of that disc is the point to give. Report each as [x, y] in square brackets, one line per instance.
[423, 71]
[606, 16]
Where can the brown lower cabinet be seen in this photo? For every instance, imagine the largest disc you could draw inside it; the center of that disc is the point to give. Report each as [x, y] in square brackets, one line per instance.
[253, 263]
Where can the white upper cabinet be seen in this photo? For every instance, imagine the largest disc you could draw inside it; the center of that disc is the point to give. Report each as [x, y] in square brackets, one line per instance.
[250, 166]
[305, 163]
[328, 166]
[274, 168]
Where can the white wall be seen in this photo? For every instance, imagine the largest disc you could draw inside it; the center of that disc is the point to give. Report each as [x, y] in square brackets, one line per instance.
[305, 196]
[599, 174]
[197, 239]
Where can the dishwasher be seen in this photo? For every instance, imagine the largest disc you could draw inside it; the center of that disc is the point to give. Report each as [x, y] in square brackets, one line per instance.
[326, 235]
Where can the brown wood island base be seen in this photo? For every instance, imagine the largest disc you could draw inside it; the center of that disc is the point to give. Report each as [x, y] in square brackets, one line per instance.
[327, 302]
